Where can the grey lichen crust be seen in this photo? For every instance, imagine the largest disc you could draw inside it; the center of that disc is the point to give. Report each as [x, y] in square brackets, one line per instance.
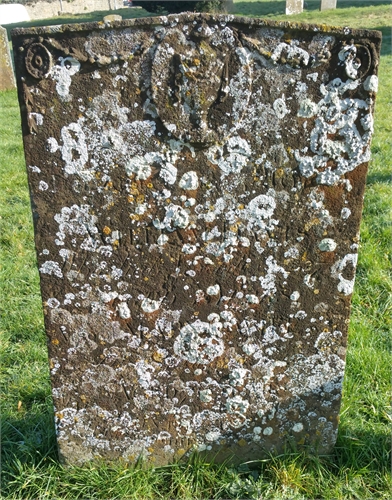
[197, 186]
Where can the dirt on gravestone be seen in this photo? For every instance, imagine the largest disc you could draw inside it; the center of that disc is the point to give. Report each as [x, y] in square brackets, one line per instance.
[197, 185]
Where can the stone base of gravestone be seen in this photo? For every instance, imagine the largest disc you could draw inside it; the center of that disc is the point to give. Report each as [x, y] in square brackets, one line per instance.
[328, 4]
[7, 78]
[294, 7]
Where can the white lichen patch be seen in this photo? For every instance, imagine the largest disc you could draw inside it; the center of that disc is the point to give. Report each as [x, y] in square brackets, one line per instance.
[336, 115]
[149, 305]
[232, 162]
[280, 107]
[259, 212]
[213, 290]
[162, 239]
[52, 268]
[168, 172]
[140, 166]
[189, 181]
[298, 427]
[76, 221]
[371, 83]
[176, 217]
[199, 342]
[327, 245]
[74, 149]
[345, 285]
[206, 396]
[123, 310]
[62, 74]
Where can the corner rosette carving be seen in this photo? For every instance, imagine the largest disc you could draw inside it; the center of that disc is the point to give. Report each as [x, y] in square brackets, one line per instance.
[39, 60]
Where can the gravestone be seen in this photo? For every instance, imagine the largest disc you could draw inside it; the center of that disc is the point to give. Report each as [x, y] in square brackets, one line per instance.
[7, 78]
[197, 186]
[12, 13]
[327, 4]
[294, 7]
[112, 18]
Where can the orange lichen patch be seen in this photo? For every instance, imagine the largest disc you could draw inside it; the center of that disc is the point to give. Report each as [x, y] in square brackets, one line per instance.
[157, 356]
[106, 230]
[279, 173]
[311, 223]
[134, 188]
[55, 342]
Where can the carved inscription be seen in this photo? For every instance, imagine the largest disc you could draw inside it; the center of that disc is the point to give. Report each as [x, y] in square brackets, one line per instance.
[197, 186]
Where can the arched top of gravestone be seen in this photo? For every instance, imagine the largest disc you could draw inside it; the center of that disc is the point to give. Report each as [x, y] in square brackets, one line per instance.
[201, 77]
[222, 19]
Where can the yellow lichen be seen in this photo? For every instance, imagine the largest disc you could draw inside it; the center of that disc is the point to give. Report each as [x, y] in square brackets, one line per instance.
[158, 357]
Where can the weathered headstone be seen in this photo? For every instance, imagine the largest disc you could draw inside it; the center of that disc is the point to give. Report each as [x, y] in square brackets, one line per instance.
[197, 186]
[327, 4]
[13, 13]
[294, 7]
[7, 78]
[112, 18]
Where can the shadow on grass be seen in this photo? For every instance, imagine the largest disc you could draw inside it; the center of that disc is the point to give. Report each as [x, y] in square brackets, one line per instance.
[378, 178]
[386, 47]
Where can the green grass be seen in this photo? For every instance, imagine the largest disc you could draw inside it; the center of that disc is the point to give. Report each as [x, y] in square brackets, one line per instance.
[360, 465]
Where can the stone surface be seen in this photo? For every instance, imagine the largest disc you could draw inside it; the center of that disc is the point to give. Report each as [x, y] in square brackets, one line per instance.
[327, 4]
[7, 78]
[294, 7]
[197, 184]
